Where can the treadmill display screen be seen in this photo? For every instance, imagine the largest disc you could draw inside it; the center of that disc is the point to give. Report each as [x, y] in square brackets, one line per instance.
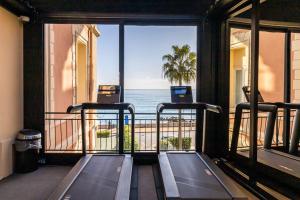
[180, 91]
[181, 94]
[108, 94]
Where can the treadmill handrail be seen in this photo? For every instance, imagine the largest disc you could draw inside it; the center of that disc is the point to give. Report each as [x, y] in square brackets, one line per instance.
[97, 106]
[115, 106]
[195, 106]
[198, 105]
[295, 135]
[295, 106]
[271, 109]
[74, 108]
[263, 107]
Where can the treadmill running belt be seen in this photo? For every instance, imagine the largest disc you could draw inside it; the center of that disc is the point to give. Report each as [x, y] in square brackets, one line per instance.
[194, 180]
[98, 180]
[277, 161]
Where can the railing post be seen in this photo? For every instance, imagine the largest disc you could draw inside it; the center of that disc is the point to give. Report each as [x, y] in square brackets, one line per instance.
[157, 131]
[117, 132]
[121, 131]
[277, 130]
[204, 132]
[132, 133]
[83, 131]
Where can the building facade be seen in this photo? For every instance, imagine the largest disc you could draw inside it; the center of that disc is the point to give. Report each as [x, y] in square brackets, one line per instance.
[70, 78]
[271, 66]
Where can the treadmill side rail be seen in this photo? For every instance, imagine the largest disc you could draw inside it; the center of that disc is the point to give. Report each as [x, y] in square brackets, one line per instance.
[170, 186]
[227, 183]
[123, 189]
[65, 184]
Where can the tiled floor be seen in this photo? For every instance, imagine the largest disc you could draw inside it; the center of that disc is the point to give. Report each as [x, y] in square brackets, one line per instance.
[36, 185]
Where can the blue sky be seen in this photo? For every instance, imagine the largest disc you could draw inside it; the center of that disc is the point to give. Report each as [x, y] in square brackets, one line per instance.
[144, 48]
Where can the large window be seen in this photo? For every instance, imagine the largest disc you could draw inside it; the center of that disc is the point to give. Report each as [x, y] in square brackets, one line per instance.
[80, 57]
[157, 57]
[270, 84]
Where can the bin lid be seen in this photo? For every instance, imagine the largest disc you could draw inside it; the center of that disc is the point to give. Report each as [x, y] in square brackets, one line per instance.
[29, 134]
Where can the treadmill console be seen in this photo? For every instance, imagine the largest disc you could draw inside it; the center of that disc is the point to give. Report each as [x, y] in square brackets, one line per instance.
[109, 94]
[181, 94]
[246, 91]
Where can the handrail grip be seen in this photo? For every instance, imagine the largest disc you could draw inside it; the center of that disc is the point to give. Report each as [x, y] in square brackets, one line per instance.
[74, 108]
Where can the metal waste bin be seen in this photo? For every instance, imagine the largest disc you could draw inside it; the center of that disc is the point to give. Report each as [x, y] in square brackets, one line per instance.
[27, 144]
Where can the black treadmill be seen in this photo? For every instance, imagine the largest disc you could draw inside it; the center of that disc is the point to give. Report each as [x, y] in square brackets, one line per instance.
[279, 166]
[192, 175]
[295, 136]
[95, 176]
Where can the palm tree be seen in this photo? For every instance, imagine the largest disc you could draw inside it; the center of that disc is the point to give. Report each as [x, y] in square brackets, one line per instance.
[179, 68]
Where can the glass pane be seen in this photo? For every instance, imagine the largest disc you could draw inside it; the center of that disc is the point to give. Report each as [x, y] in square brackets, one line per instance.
[108, 55]
[147, 84]
[270, 83]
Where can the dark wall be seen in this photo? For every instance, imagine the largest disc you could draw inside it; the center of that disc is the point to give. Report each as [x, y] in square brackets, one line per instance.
[33, 76]
[213, 84]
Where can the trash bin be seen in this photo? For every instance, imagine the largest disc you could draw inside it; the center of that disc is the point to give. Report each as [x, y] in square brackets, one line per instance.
[28, 144]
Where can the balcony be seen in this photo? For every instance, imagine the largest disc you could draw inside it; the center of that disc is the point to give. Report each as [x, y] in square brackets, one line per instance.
[63, 132]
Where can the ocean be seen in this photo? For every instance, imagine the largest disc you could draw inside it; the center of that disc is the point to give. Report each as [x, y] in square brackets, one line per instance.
[145, 101]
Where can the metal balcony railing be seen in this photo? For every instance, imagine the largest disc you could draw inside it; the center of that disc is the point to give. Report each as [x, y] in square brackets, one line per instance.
[63, 132]
[244, 136]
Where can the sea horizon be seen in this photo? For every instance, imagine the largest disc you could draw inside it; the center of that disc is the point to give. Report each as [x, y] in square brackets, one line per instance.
[146, 100]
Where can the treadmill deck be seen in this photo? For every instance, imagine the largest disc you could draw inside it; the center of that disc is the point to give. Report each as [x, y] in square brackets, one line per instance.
[194, 176]
[106, 177]
[98, 179]
[278, 161]
[194, 180]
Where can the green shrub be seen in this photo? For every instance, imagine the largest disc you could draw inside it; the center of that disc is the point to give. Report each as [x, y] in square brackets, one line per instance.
[186, 142]
[103, 133]
[164, 144]
[127, 139]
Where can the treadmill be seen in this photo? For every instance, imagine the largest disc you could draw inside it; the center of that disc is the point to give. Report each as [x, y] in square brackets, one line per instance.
[279, 166]
[295, 136]
[187, 175]
[96, 176]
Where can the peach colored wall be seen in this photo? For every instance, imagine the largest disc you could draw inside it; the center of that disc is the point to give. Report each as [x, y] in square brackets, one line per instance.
[271, 66]
[271, 63]
[11, 87]
[63, 41]
[62, 78]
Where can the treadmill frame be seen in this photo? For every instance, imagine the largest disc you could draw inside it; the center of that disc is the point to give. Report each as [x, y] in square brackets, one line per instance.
[262, 168]
[123, 190]
[170, 185]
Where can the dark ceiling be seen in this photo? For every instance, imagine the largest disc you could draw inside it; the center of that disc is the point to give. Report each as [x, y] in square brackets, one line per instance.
[146, 7]
[272, 10]
[278, 10]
